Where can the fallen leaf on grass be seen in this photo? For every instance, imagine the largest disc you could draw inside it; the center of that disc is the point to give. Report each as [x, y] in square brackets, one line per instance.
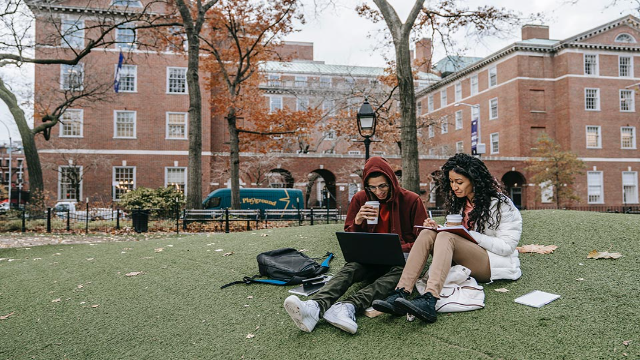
[625, 343]
[56, 300]
[95, 306]
[133, 273]
[580, 279]
[538, 249]
[263, 235]
[249, 297]
[80, 286]
[218, 249]
[89, 259]
[227, 254]
[158, 250]
[250, 336]
[5, 317]
[595, 254]
[502, 290]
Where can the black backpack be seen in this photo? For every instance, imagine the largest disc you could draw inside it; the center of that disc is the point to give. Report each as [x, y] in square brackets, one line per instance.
[285, 267]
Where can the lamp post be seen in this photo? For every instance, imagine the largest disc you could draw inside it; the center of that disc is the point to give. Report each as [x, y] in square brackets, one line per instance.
[10, 151]
[477, 148]
[366, 125]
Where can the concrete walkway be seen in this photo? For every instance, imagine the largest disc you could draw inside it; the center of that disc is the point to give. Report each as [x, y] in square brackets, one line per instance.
[15, 240]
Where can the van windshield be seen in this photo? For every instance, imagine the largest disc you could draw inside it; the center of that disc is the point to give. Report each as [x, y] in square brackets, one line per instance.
[61, 207]
[214, 202]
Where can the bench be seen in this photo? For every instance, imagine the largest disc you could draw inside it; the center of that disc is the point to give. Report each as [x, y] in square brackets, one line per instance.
[221, 215]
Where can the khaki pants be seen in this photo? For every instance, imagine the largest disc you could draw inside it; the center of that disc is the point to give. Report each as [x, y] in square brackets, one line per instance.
[446, 248]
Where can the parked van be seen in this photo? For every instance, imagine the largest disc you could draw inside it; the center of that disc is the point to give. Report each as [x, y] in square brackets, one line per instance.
[257, 198]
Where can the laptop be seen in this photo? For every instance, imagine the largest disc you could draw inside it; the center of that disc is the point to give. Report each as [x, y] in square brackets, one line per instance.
[371, 248]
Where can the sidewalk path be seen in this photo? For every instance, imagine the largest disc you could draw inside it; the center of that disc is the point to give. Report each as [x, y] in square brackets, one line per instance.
[14, 240]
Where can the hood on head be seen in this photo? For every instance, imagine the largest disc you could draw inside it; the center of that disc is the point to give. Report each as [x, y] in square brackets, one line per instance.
[380, 164]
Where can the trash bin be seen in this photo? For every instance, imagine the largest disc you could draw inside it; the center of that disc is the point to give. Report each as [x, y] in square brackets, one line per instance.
[140, 219]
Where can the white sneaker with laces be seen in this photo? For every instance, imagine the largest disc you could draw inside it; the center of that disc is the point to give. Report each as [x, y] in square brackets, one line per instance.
[305, 314]
[342, 316]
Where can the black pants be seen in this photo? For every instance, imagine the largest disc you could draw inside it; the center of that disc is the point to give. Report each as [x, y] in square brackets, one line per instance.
[383, 280]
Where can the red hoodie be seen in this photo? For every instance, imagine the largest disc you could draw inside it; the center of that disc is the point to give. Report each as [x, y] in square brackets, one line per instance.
[406, 207]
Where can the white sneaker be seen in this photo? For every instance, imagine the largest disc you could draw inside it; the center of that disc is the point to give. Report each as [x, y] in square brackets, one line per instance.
[304, 313]
[342, 316]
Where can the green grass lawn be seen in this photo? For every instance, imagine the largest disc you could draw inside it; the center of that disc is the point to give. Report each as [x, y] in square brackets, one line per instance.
[176, 310]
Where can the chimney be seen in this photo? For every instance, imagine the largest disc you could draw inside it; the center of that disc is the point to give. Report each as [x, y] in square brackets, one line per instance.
[423, 55]
[530, 31]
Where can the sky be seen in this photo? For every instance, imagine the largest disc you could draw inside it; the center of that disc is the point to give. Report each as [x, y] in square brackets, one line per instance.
[341, 37]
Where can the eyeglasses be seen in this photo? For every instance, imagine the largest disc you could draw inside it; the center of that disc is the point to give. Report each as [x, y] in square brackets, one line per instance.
[381, 187]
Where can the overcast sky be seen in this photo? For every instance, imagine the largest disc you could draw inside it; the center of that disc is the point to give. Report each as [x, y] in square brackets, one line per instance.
[341, 37]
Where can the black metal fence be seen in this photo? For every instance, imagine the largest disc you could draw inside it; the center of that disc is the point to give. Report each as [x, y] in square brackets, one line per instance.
[596, 208]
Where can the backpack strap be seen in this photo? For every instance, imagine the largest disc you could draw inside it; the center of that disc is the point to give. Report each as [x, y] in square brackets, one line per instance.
[326, 261]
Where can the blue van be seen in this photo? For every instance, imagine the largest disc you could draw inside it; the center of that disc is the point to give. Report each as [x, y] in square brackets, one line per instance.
[257, 198]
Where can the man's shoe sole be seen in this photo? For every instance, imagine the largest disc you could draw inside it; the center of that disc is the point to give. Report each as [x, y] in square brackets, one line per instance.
[386, 307]
[348, 327]
[292, 306]
[406, 305]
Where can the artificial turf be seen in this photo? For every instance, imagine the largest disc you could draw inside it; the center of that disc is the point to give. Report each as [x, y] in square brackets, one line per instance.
[175, 308]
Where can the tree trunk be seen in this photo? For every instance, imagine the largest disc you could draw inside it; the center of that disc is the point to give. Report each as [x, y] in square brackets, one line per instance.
[234, 158]
[36, 185]
[194, 182]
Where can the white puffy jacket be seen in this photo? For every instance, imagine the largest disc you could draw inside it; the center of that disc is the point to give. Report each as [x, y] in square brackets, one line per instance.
[501, 243]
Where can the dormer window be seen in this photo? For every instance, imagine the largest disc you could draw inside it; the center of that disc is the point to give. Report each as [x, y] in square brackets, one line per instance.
[625, 38]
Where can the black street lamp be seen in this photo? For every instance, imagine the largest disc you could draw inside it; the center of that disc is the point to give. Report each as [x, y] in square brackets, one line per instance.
[366, 125]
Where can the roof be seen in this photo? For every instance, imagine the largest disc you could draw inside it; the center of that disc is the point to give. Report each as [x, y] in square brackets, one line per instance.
[319, 68]
[452, 63]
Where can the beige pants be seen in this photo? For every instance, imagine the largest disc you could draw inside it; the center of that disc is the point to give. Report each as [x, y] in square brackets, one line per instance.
[446, 248]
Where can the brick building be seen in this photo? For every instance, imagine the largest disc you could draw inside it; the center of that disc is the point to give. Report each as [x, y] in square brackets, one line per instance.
[13, 174]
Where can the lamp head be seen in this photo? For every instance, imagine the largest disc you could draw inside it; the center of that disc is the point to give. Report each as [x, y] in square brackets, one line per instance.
[366, 119]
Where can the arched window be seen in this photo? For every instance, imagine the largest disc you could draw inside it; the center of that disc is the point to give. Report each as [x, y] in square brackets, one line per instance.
[625, 38]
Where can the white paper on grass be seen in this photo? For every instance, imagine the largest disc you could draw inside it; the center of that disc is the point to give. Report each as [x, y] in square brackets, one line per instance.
[537, 298]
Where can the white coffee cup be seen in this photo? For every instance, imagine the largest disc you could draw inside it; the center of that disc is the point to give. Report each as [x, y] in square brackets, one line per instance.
[453, 220]
[375, 204]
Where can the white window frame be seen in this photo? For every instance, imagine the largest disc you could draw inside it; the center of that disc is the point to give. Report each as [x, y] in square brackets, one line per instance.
[166, 176]
[495, 143]
[632, 39]
[127, 71]
[595, 71]
[458, 91]
[354, 152]
[459, 120]
[115, 124]
[432, 132]
[598, 135]
[627, 98]
[64, 77]
[72, 30]
[444, 124]
[60, 185]
[629, 66]
[459, 147]
[125, 32]
[473, 85]
[325, 82]
[300, 81]
[117, 184]
[443, 98]
[127, 3]
[274, 80]
[432, 191]
[493, 114]
[169, 79]
[329, 107]
[596, 99]
[419, 108]
[633, 137]
[273, 104]
[168, 125]
[630, 180]
[430, 103]
[66, 120]
[595, 189]
[330, 135]
[493, 76]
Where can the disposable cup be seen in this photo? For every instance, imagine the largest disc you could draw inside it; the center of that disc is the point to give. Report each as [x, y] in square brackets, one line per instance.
[453, 220]
[375, 204]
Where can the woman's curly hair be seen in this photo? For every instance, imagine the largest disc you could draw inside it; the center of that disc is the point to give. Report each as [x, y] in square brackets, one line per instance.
[485, 188]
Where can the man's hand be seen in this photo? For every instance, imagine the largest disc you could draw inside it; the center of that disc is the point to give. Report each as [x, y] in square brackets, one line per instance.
[366, 212]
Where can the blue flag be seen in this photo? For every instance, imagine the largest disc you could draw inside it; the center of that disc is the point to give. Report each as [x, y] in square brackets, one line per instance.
[116, 81]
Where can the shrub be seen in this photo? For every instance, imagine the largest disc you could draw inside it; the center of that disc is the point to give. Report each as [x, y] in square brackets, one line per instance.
[163, 199]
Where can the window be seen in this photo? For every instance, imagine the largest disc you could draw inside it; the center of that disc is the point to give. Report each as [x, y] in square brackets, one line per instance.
[592, 99]
[300, 81]
[274, 80]
[176, 80]
[325, 82]
[70, 183]
[128, 78]
[178, 40]
[71, 123]
[275, 103]
[177, 125]
[128, 3]
[460, 147]
[474, 85]
[419, 108]
[72, 33]
[458, 119]
[628, 137]
[431, 132]
[493, 109]
[124, 178]
[546, 192]
[475, 112]
[593, 137]
[432, 151]
[625, 38]
[430, 103]
[176, 177]
[590, 64]
[349, 82]
[330, 135]
[493, 77]
[594, 184]
[72, 77]
[432, 191]
[629, 187]
[329, 107]
[354, 152]
[125, 125]
[458, 88]
[625, 66]
[302, 104]
[495, 143]
[444, 125]
[626, 101]
[443, 98]
[126, 36]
